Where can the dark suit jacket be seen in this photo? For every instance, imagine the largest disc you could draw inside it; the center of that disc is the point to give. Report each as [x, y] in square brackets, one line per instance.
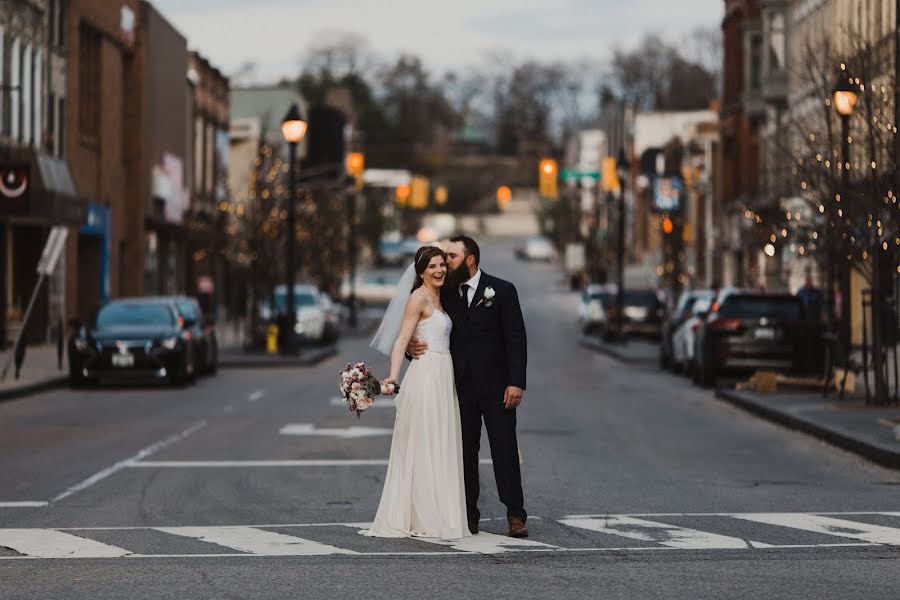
[488, 341]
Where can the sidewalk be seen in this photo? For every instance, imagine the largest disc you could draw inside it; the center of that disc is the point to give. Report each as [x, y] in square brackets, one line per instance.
[39, 372]
[850, 425]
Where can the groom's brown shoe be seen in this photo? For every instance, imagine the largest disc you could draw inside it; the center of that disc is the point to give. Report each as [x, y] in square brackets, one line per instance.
[473, 526]
[517, 528]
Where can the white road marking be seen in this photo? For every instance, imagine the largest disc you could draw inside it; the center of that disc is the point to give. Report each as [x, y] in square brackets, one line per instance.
[659, 533]
[49, 543]
[200, 464]
[379, 402]
[256, 541]
[22, 504]
[248, 541]
[308, 429]
[487, 543]
[874, 534]
[257, 395]
[141, 454]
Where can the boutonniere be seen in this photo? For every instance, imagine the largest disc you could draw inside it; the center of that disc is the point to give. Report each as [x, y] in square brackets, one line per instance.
[488, 297]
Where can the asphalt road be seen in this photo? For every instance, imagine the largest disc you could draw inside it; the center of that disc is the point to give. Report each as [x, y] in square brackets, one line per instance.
[252, 484]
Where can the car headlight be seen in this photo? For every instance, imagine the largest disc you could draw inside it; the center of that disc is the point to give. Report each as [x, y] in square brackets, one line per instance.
[170, 343]
[81, 344]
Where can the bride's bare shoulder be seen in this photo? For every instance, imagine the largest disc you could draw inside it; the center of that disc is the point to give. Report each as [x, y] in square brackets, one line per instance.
[417, 302]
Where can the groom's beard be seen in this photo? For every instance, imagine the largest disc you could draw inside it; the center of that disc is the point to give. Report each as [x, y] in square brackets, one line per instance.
[458, 276]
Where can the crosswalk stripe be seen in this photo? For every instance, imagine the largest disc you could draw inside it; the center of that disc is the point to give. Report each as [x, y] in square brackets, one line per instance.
[667, 535]
[875, 534]
[49, 543]
[256, 541]
[483, 543]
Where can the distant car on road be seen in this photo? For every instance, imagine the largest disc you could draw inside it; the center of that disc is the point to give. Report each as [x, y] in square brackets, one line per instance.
[682, 312]
[684, 341]
[134, 339]
[203, 331]
[595, 302]
[309, 310]
[746, 331]
[374, 288]
[536, 248]
[643, 313]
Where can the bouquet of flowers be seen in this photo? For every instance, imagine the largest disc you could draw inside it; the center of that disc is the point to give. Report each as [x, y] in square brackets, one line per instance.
[359, 387]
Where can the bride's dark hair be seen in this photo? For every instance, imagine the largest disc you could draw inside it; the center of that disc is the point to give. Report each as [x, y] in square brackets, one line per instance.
[423, 258]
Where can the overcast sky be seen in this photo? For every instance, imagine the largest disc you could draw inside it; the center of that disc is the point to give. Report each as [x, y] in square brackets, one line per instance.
[450, 34]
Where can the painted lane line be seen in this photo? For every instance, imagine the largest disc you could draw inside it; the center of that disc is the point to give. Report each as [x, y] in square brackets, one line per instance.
[671, 536]
[22, 504]
[257, 395]
[874, 534]
[483, 543]
[309, 429]
[379, 403]
[141, 454]
[256, 541]
[221, 464]
[49, 543]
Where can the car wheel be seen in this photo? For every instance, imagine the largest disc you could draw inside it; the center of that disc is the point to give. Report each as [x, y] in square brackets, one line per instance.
[665, 363]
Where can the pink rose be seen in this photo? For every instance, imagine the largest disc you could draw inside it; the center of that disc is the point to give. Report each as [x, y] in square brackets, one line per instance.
[364, 403]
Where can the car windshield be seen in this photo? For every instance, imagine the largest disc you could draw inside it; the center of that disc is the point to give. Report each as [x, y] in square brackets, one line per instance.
[188, 309]
[759, 307]
[301, 300]
[125, 314]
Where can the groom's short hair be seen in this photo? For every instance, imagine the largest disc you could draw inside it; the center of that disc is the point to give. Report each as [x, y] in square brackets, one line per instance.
[470, 245]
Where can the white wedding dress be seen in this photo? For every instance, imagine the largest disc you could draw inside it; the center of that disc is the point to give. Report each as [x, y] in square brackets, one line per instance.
[424, 493]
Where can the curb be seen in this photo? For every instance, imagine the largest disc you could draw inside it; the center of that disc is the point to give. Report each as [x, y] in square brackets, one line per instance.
[309, 359]
[886, 457]
[603, 348]
[29, 389]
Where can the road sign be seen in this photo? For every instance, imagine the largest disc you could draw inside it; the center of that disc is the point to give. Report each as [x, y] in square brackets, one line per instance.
[578, 175]
[53, 249]
[667, 194]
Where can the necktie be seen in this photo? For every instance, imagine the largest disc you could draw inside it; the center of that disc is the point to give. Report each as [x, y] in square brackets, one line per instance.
[464, 293]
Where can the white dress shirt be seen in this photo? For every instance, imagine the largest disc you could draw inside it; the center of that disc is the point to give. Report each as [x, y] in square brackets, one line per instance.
[473, 287]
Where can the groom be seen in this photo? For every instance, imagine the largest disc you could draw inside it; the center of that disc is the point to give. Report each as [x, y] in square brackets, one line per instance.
[489, 356]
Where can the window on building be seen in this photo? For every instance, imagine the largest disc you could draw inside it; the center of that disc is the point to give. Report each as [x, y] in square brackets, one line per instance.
[754, 62]
[89, 81]
[61, 127]
[15, 94]
[198, 154]
[27, 94]
[38, 98]
[209, 159]
[776, 33]
[2, 81]
[50, 141]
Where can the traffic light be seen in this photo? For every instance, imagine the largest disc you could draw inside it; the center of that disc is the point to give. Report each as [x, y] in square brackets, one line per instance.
[548, 171]
[668, 226]
[356, 162]
[419, 193]
[401, 194]
[504, 195]
[440, 195]
[610, 177]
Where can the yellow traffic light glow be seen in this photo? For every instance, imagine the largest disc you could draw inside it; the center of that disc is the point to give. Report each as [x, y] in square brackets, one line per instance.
[547, 172]
[440, 195]
[402, 194]
[355, 164]
[667, 226]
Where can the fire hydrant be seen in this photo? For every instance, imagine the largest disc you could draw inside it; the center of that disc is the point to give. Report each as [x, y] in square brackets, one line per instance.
[272, 339]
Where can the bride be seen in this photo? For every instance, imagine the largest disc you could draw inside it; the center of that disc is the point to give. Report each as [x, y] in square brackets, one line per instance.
[424, 493]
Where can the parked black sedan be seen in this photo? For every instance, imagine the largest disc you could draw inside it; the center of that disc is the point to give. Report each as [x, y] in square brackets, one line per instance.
[133, 339]
[746, 331]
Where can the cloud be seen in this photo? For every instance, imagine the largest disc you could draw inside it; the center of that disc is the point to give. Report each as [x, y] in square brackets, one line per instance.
[275, 33]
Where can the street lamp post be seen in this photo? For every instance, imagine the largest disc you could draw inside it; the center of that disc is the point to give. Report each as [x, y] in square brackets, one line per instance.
[622, 172]
[293, 127]
[845, 95]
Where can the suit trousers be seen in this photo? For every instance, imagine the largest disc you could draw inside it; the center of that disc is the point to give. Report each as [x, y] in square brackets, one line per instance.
[477, 402]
